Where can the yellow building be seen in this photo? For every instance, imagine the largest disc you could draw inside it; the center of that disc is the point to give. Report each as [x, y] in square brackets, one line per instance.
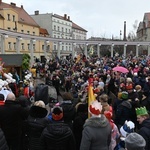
[16, 19]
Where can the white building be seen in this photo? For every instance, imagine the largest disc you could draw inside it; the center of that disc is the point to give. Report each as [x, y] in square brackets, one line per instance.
[60, 27]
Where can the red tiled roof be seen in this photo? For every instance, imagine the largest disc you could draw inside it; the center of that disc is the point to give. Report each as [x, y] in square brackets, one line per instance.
[77, 27]
[23, 16]
[43, 31]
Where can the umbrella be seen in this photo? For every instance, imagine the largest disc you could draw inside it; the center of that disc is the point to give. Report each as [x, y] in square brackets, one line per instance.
[120, 69]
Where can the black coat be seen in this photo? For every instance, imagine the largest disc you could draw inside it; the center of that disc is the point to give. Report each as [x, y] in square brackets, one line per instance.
[36, 123]
[3, 143]
[57, 136]
[69, 112]
[12, 115]
[145, 132]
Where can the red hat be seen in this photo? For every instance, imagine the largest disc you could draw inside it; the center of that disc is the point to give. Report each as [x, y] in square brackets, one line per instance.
[129, 87]
[57, 113]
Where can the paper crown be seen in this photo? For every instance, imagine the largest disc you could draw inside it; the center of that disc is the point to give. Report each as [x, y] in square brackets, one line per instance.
[141, 111]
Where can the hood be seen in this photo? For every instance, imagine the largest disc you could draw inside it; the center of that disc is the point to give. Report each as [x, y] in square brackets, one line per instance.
[97, 121]
[59, 130]
[126, 104]
[38, 112]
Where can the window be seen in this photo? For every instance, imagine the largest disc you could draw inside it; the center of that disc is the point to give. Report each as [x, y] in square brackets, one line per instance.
[9, 28]
[13, 18]
[58, 28]
[28, 46]
[43, 47]
[33, 33]
[47, 48]
[14, 46]
[28, 32]
[22, 31]
[54, 27]
[9, 45]
[66, 30]
[62, 29]
[34, 47]
[22, 46]
[66, 48]
[62, 48]
[8, 17]
[54, 47]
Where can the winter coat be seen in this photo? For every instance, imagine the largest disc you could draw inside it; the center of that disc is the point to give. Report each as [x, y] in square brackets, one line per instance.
[12, 115]
[96, 134]
[78, 127]
[57, 136]
[145, 132]
[69, 112]
[123, 113]
[3, 143]
[36, 123]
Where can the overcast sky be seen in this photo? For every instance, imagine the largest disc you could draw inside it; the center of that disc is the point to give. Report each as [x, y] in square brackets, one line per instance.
[101, 18]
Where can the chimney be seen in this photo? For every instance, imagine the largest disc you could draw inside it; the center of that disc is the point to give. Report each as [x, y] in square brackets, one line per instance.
[0, 1]
[36, 12]
[124, 37]
[13, 4]
[65, 16]
[22, 6]
[69, 18]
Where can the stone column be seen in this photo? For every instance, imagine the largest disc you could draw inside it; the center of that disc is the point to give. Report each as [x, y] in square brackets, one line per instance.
[112, 50]
[98, 50]
[125, 51]
[137, 50]
[73, 50]
[45, 48]
[148, 50]
[18, 41]
[3, 37]
[32, 41]
[85, 50]
[58, 51]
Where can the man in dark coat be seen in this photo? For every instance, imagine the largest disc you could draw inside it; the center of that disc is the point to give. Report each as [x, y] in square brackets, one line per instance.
[57, 135]
[11, 118]
[3, 143]
[144, 121]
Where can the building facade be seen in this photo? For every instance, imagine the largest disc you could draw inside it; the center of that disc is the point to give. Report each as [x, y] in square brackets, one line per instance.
[60, 27]
[143, 32]
[17, 20]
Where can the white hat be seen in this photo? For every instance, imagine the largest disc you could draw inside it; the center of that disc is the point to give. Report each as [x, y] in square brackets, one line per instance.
[127, 128]
[95, 108]
[10, 74]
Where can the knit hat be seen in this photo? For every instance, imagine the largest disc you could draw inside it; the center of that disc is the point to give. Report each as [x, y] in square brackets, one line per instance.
[127, 128]
[57, 113]
[124, 95]
[95, 108]
[135, 141]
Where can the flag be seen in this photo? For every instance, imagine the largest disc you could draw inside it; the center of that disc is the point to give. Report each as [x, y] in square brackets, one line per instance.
[91, 96]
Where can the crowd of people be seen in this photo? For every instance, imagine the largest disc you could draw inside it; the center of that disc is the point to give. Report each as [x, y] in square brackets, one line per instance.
[117, 118]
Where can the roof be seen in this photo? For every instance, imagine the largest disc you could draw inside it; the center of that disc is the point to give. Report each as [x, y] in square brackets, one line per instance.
[12, 59]
[23, 16]
[77, 27]
[43, 31]
[62, 17]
